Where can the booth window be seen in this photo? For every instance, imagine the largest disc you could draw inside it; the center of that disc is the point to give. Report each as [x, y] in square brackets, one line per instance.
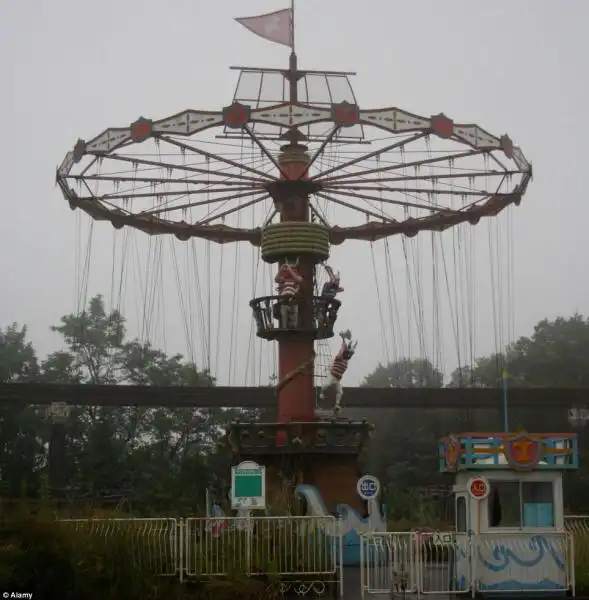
[521, 504]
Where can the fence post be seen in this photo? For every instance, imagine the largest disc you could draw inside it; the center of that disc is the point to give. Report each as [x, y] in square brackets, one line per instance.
[472, 554]
[248, 542]
[180, 533]
[571, 562]
[340, 535]
[362, 567]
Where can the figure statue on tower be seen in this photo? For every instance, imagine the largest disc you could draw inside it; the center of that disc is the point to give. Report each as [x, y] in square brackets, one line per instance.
[288, 284]
[331, 288]
[333, 387]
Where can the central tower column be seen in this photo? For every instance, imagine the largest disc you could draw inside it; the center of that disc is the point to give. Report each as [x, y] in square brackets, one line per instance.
[296, 393]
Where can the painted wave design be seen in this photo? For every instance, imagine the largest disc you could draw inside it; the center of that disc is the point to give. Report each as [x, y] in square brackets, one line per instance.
[515, 586]
[503, 556]
[351, 520]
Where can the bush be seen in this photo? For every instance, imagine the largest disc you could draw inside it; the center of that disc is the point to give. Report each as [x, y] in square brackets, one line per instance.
[37, 554]
[40, 555]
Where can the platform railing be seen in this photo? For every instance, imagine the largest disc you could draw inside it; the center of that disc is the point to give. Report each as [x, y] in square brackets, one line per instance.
[276, 316]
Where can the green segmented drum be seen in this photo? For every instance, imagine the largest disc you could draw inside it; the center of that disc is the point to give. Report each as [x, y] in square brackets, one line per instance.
[293, 239]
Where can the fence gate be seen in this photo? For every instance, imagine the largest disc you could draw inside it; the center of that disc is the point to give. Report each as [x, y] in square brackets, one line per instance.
[412, 563]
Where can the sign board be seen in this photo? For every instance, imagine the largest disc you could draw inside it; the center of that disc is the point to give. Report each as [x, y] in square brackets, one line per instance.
[478, 487]
[443, 538]
[248, 486]
[368, 487]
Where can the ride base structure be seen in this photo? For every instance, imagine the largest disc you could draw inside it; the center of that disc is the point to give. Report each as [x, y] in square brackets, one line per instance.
[509, 498]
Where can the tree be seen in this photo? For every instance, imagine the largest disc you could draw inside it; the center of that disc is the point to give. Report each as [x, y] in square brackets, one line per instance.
[142, 453]
[402, 452]
[18, 360]
[555, 355]
[486, 372]
[22, 429]
[405, 373]
[95, 340]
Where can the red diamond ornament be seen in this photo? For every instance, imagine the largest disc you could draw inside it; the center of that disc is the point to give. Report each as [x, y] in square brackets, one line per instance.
[345, 114]
[236, 115]
[442, 126]
[141, 130]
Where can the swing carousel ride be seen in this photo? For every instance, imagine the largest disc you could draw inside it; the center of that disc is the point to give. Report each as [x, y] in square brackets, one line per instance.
[288, 172]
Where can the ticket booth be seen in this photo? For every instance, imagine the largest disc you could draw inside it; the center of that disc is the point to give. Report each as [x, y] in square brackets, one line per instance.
[508, 497]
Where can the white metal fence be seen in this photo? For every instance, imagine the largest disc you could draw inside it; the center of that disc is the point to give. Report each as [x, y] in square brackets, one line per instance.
[154, 542]
[306, 547]
[449, 563]
[577, 524]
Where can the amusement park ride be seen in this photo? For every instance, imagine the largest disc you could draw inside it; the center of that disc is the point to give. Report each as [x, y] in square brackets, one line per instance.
[313, 448]
[478, 176]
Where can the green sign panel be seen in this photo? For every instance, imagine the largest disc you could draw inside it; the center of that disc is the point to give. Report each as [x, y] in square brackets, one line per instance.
[248, 486]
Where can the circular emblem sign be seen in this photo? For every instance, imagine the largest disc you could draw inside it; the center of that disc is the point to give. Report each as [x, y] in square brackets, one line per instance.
[368, 487]
[478, 488]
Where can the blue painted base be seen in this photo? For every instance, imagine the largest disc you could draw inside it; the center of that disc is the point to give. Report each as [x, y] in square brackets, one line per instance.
[526, 594]
[351, 550]
[528, 589]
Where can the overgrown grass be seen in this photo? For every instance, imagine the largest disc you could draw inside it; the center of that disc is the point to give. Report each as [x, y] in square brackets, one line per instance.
[283, 548]
[39, 555]
[582, 561]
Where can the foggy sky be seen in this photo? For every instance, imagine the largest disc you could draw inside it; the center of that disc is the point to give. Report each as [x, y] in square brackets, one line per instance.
[71, 68]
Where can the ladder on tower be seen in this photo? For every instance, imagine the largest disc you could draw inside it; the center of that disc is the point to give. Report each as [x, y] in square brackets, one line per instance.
[322, 351]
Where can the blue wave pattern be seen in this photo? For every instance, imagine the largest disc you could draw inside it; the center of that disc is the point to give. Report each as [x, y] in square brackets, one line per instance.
[513, 584]
[504, 556]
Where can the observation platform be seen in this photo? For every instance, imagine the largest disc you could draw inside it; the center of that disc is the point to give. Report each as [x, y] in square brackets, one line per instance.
[509, 451]
[343, 437]
[276, 318]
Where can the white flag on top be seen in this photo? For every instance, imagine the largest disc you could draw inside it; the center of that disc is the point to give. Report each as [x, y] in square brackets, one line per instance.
[276, 26]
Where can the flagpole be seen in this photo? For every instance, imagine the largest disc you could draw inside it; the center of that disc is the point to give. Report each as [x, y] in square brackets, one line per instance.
[505, 400]
[292, 24]
[292, 63]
